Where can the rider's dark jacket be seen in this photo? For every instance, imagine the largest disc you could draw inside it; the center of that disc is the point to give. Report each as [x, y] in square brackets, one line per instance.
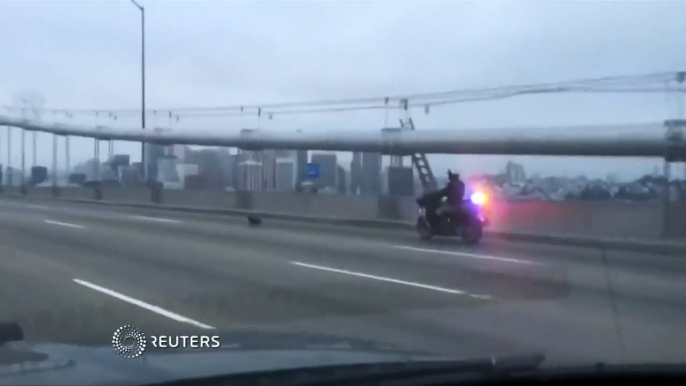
[454, 191]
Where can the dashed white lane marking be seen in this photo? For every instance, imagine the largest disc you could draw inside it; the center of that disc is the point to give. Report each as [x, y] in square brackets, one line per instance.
[391, 280]
[34, 206]
[142, 304]
[465, 254]
[23, 205]
[64, 224]
[158, 219]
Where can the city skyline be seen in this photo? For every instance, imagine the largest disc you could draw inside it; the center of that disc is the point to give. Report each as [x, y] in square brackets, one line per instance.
[187, 67]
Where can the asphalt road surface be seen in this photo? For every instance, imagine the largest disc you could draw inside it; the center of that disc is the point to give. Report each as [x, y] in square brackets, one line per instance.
[75, 272]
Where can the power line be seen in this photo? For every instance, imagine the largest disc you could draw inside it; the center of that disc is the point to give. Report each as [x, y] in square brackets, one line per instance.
[425, 106]
[595, 85]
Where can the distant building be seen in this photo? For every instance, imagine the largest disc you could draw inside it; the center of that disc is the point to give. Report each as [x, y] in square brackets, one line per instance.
[88, 168]
[400, 181]
[249, 175]
[167, 171]
[302, 159]
[179, 151]
[78, 178]
[214, 164]
[256, 170]
[118, 162]
[15, 176]
[285, 174]
[356, 173]
[38, 175]
[285, 170]
[128, 175]
[342, 181]
[371, 173]
[185, 170]
[235, 172]
[281, 153]
[105, 172]
[268, 170]
[327, 170]
[246, 174]
[153, 153]
[515, 173]
[227, 163]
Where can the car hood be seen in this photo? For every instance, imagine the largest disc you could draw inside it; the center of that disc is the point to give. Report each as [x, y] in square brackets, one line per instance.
[23, 363]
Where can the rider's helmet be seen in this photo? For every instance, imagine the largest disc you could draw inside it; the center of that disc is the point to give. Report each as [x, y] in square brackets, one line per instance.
[453, 176]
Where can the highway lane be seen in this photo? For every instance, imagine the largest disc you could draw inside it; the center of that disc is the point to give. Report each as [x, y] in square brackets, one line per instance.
[382, 285]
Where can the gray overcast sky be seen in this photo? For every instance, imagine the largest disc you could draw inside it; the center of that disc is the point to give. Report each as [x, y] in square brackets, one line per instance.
[86, 54]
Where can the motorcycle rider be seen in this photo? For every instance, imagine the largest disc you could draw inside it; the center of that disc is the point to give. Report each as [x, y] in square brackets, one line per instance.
[454, 192]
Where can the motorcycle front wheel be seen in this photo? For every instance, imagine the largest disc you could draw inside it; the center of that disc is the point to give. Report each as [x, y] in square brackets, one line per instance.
[473, 233]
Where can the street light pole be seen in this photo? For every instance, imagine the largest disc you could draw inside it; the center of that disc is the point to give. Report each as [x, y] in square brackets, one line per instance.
[143, 160]
[23, 151]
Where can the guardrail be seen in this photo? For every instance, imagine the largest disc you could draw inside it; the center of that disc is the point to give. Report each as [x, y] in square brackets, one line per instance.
[645, 140]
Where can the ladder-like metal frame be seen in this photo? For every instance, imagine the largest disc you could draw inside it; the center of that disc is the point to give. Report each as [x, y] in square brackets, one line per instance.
[419, 160]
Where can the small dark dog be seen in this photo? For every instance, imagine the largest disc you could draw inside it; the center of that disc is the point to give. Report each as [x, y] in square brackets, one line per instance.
[254, 220]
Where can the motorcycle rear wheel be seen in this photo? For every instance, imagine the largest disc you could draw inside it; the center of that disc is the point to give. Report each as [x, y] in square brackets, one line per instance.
[423, 229]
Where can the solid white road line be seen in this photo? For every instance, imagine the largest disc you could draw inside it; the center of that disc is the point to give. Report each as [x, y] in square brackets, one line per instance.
[391, 280]
[465, 254]
[64, 224]
[158, 219]
[147, 306]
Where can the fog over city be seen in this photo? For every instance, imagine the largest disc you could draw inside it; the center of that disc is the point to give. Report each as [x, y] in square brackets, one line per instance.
[86, 55]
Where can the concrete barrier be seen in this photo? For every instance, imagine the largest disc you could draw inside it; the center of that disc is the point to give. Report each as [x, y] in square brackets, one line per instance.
[244, 200]
[11, 191]
[611, 219]
[199, 198]
[396, 208]
[675, 220]
[140, 195]
[76, 193]
[40, 192]
[345, 207]
[282, 202]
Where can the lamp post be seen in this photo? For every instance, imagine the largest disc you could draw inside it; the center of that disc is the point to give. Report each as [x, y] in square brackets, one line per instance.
[143, 160]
